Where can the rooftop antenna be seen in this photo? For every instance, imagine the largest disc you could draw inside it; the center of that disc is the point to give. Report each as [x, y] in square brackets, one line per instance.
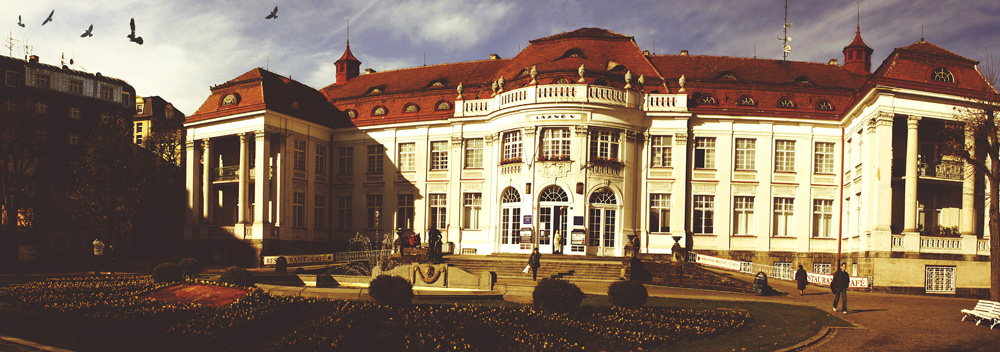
[785, 48]
[425, 58]
[921, 32]
[654, 47]
[10, 44]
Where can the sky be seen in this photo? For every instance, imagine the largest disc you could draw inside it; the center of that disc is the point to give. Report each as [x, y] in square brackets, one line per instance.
[191, 45]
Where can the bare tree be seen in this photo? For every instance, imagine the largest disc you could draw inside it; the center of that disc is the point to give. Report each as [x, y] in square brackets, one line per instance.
[166, 143]
[976, 140]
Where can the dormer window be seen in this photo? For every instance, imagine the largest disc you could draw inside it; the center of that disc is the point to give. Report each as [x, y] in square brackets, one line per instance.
[616, 67]
[786, 103]
[295, 105]
[352, 113]
[942, 74]
[802, 80]
[523, 72]
[562, 80]
[374, 90]
[727, 76]
[230, 99]
[824, 105]
[436, 84]
[411, 107]
[746, 100]
[574, 52]
[443, 105]
[709, 100]
[379, 111]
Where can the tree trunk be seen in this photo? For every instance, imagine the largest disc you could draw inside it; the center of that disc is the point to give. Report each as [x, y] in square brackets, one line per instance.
[994, 220]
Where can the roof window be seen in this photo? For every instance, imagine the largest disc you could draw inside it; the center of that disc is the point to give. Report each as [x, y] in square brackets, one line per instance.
[574, 52]
[785, 103]
[942, 74]
[374, 90]
[443, 105]
[708, 100]
[824, 105]
[746, 100]
[379, 111]
[411, 107]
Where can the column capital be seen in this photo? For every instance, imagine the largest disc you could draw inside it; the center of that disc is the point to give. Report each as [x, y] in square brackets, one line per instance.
[912, 121]
[189, 144]
[243, 137]
[206, 142]
[884, 118]
[681, 138]
[260, 135]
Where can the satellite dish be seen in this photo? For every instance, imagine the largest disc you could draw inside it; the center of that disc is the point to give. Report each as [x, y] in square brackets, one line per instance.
[786, 48]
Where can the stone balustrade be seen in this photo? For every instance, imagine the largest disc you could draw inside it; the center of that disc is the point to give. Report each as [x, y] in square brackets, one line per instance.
[572, 93]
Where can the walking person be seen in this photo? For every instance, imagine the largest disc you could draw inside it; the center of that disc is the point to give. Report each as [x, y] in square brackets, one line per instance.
[839, 287]
[802, 278]
[535, 261]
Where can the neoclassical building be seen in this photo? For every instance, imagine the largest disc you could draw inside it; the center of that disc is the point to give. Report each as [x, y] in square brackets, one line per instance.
[586, 138]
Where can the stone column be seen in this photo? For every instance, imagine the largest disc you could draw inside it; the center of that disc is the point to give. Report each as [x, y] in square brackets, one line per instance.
[679, 194]
[262, 178]
[244, 180]
[206, 181]
[191, 184]
[967, 225]
[910, 190]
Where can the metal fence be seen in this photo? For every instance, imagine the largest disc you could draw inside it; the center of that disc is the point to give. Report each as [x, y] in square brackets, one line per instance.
[776, 272]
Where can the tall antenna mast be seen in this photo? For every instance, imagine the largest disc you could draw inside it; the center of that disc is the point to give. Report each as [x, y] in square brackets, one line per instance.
[10, 44]
[785, 48]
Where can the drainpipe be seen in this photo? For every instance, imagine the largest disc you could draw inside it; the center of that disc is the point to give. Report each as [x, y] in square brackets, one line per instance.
[840, 226]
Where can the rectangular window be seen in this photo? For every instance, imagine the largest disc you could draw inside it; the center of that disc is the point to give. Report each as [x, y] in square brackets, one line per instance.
[555, 144]
[138, 139]
[319, 212]
[439, 155]
[821, 268]
[704, 153]
[321, 159]
[784, 156]
[300, 155]
[138, 108]
[783, 219]
[511, 147]
[474, 153]
[604, 145]
[823, 218]
[375, 152]
[138, 127]
[74, 113]
[407, 157]
[126, 97]
[472, 204]
[345, 212]
[76, 86]
[824, 158]
[661, 149]
[704, 214]
[743, 216]
[107, 93]
[938, 279]
[74, 139]
[745, 149]
[659, 212]
[374, 202]
[783, 270]
[41, 108]
[404, 211]
[42, 80]
[345, 160]
[11, 79]
[299, 209]
[438, 211]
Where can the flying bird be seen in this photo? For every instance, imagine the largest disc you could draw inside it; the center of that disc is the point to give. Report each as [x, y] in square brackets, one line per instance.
[274, 14]
[19, 21]
[132, 37]
[87, 33]
[47, 20]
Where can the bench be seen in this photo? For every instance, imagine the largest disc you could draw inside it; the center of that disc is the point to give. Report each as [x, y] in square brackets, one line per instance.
[984, 310]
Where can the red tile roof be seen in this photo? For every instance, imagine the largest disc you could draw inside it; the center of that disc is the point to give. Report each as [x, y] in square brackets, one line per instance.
[928, 48]
[348, 56]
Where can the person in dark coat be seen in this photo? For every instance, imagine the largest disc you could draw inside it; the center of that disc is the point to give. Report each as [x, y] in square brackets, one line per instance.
[802, 279]
[839, 287]
[535, 261]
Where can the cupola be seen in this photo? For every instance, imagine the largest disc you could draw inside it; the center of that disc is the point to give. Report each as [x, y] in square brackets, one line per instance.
[348, 66]
[858, 56]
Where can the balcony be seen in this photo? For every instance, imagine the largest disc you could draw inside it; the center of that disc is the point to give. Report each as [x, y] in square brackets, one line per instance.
[232, 173]
[943, 169]
[572, 93]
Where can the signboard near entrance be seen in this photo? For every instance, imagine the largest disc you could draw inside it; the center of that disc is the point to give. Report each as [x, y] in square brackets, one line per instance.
[578, 238]
[527, 219]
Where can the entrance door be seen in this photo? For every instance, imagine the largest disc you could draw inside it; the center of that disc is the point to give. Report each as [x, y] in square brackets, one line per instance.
[510, 222]
[553, 209]
[603, 225]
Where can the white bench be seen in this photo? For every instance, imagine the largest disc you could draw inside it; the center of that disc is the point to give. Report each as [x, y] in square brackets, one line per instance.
[984, 310]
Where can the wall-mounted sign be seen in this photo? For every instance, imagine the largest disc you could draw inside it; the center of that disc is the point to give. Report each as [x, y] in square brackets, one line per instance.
[578, 237]
[527, 219]
[549, 117]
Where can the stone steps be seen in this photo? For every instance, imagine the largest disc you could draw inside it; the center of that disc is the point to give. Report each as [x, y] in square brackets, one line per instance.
[567, 268]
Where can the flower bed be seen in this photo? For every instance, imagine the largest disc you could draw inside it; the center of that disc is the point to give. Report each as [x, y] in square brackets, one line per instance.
[207, 295]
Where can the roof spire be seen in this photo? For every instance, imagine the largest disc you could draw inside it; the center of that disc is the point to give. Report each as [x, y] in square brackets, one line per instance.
[859, 16]
[348, 32]
[921, 32]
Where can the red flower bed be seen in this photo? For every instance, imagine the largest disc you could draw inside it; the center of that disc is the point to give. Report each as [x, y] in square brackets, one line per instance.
[208, 295]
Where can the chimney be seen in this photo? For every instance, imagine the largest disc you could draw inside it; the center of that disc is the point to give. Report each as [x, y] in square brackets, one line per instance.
[369, 70]
[645, 52]
[494, 57]
[33, 59]
[684, 53]
[833, 62]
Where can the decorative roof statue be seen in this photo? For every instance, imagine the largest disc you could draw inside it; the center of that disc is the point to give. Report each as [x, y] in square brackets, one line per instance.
[494, 87]
[460, 89]
[628, 79]
[642, 80]
[534, 73]
[580, 71]
[500, 85]
[681, 82]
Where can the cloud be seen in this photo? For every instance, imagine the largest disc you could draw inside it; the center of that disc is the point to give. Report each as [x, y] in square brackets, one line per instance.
[452, 24]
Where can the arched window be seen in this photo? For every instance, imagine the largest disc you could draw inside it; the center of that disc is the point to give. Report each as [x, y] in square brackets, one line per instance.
[746, 100]
[708, 100]
[352, 113]
[553, 194]
[411, 107]
[230, 99]
[942, 74]
[785, 103]
[379, 111]
[443, 105]
[561, 80]
[824, 105]
[727, 76]
[510, 216]
[603, 218]
[574, 52]
[510, 196]
[436, 83]
[374, 90]
[603, 196]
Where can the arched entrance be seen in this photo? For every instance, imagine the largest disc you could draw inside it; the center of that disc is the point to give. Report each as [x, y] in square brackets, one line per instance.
[510, 221]
[553, 209]
[603, 224]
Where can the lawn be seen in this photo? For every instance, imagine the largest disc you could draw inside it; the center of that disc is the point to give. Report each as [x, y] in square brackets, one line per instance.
[133, 313]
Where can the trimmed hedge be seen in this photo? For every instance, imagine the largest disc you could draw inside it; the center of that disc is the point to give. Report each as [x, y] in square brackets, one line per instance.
[237, 276]
[167, 272]
[190, 266]
[391, 290]
[556, 295]
[627, 294]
